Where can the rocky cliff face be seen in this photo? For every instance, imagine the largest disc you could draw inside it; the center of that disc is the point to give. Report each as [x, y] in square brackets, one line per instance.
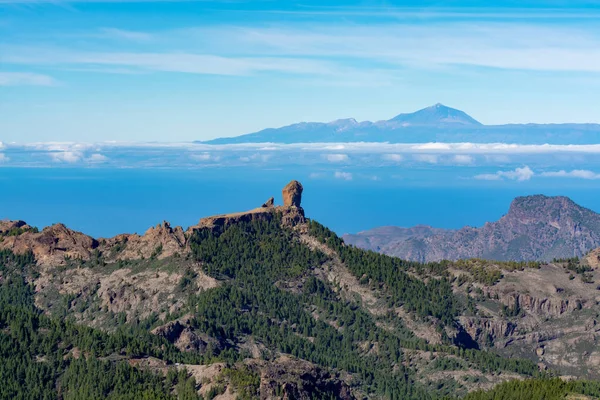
[535, 228]
[51, 246]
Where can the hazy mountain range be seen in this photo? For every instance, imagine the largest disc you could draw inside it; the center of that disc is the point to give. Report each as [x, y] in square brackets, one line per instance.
[437, 123]
[535, 228]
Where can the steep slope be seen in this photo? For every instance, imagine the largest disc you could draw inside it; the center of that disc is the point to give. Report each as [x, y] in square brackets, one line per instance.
[535, 228]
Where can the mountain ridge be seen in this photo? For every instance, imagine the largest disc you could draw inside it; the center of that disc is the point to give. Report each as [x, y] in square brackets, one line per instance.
[536, 227]
[437, 123]
[269, 304]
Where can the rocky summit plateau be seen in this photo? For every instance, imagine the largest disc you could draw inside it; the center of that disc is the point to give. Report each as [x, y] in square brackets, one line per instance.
[269, 304]
[535, 228]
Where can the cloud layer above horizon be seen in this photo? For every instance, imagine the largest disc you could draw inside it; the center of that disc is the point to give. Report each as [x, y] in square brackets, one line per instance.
[461, 163]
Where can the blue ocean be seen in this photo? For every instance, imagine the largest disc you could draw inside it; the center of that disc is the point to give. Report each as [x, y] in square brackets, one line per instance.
[105, 202]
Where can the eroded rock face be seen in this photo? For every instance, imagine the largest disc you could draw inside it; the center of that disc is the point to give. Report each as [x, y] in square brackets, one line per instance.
[495, 328]
[299, 379]
[184, 337]
[292, 194]
[161, 241]
[51, 246]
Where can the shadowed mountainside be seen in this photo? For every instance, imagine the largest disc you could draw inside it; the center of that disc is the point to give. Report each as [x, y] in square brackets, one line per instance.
[535, 228]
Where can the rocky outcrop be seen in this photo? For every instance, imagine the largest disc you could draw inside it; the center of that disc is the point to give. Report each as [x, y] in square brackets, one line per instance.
[291, 378]
[535, 228]
[484, 330]
[593, 258]
[160, 242]
[291, 212]
[52, 246]
[542, 306]
[269, 203]
[292, 194]
[184, 337]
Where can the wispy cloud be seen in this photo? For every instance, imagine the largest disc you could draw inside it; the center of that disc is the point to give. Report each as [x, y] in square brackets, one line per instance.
[519, 174]
[576, 173]
[25, 79]
[182, 62]
[69, 157]
[506, 45]
[346, 176]
[205, 157]
[427, 158]
[393, 157]
[336, 158]
[97, 158]
[116, 33]
[463, 159]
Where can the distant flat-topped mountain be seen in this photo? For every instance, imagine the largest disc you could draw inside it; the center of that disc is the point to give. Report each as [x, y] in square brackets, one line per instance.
[535, 228]
[437, 123]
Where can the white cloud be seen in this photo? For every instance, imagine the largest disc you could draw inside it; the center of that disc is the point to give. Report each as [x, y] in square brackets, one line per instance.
[427, 158]
[463, 159]
[576, 173]
[506, 45]
[191, 63]
[256, 157]
[67, 156]
[347, 176]
[125, 34]
[393, 157]
[25, 79]
[316, 175]
[4, 158]
[97, 158]
[497, 158]
[488, 177]
[204, 157]
[336, 158]
[519, 174]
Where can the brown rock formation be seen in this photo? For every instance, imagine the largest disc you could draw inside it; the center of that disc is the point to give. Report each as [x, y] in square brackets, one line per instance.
[52, 245]
[299, 379]
[292, 194]
[495, 328]
[161, 241]
[183, 336]
[269, 203]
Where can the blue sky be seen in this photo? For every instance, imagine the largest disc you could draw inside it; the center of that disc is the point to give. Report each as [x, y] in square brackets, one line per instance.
[92, 71]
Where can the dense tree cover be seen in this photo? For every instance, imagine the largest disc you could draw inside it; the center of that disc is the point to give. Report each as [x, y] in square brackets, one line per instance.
[434, 298]
[37, 359]
[537, 389]
[258, 259]
[255, 258]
